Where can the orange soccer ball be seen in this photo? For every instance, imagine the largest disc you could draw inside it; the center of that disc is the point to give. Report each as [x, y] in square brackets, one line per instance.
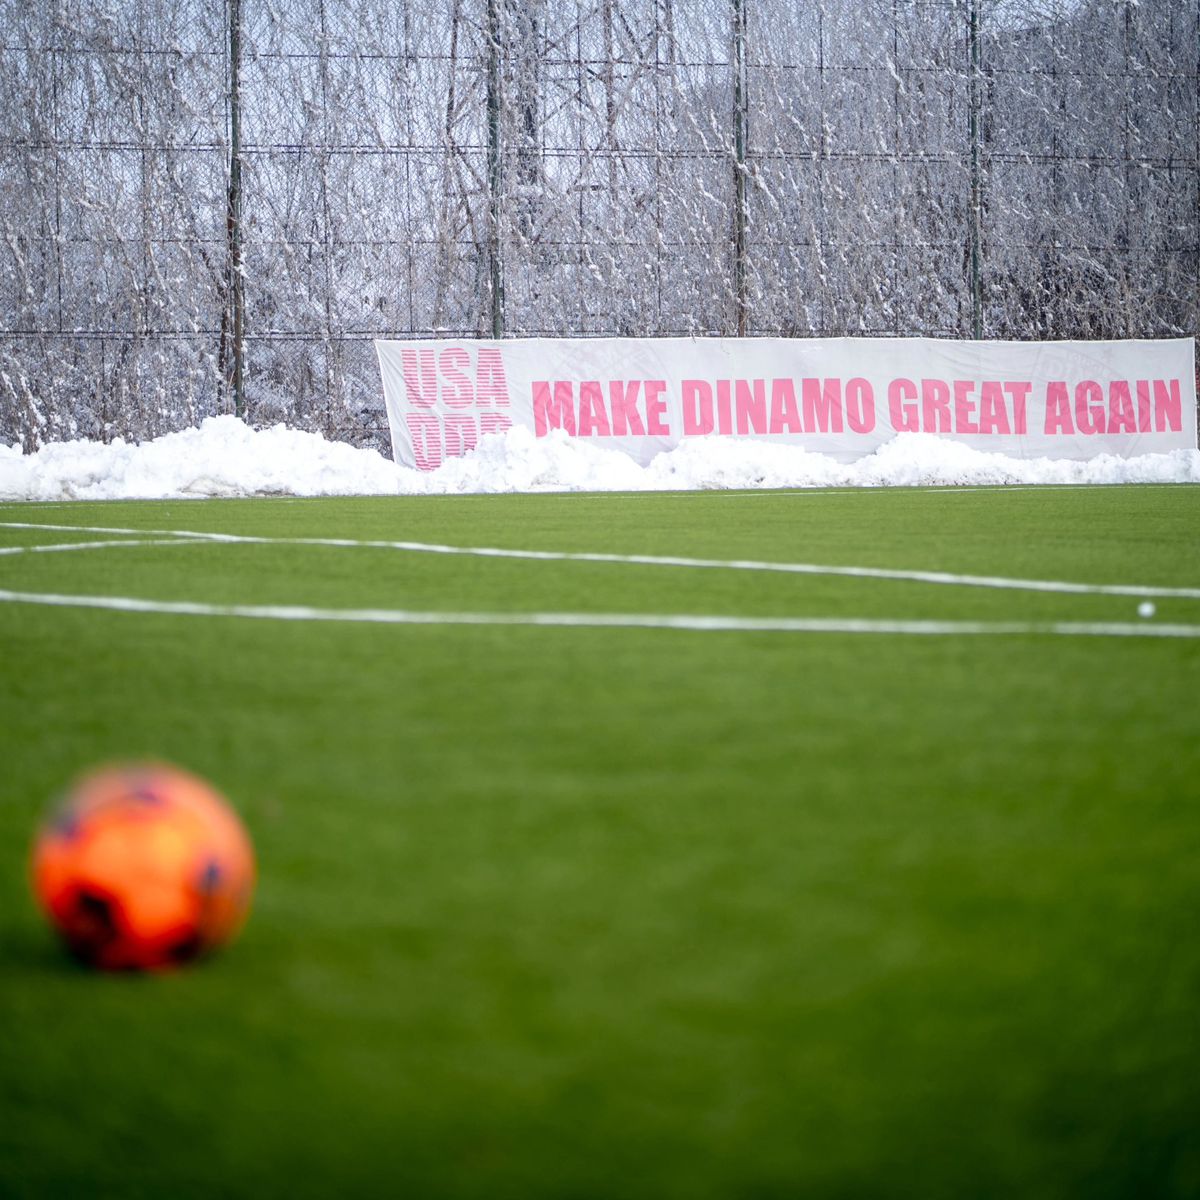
[143, 866]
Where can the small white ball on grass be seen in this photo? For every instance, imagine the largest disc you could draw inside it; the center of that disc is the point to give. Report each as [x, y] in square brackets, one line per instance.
[1146, 609]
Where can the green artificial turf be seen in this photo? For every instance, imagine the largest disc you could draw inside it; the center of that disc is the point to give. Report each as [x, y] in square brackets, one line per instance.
[597, 912]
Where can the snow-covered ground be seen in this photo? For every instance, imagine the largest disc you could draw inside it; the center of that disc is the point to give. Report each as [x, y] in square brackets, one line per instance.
[225, 457]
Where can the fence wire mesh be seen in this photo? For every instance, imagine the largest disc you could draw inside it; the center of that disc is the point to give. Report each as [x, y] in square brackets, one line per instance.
[216, 205]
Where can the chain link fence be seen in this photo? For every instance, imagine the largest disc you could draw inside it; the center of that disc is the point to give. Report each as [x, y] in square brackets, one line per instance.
[215, 205]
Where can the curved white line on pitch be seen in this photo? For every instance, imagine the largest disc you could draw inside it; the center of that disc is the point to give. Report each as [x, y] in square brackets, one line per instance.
[579, 620]
[943, 578]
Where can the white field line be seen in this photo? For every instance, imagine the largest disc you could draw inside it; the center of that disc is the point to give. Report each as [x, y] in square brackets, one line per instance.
[816, 492]
[52, 547]
[941, 578]
[678, 621]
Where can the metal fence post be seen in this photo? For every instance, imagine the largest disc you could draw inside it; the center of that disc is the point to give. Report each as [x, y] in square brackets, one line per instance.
[236, 296]
[495, 172]
[975, 213]
[740, 121]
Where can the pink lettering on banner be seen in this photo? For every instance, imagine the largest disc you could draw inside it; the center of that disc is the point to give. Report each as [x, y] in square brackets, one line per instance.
[993, 413]
[724, 408]
[460, 433]
[860, 406]
[935, 406]
[1089, 407]
[1120, 408]
[1058, 409]
[785, 416]
[942, 406]
[964, 407]
[431, 378]
[420, 377]
[444, 397]
[750, 406]
[593, 418]
[739, 406]
[1168, 405]
[457, 391]
[1020, 396]
[425, 430]
[442, 380]
[656, 407]
[902, 394]
[697, 408]
[491, 384]
[626, 419]
[553, 410]
[822, 405]
[554, 407]
[1143, 405]
[1097, 414]
[494, 422]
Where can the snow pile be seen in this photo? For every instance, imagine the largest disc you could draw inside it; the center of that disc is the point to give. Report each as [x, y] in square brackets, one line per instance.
[225, 457]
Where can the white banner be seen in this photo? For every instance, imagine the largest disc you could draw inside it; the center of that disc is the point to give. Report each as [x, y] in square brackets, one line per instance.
[843, 397]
